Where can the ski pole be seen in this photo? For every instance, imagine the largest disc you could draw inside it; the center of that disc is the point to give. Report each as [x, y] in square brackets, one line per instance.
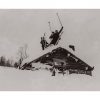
[50, 27]
[59, 19]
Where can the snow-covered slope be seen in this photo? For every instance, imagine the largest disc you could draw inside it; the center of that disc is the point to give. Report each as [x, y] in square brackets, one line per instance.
[14, 79]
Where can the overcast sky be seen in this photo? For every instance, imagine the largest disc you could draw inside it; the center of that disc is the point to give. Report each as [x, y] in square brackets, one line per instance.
[81, 28]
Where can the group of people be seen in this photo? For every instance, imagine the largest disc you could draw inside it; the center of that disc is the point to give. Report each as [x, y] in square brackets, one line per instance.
[55, 37]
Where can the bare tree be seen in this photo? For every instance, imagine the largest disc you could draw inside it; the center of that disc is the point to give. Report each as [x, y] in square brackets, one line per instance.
[22, 52]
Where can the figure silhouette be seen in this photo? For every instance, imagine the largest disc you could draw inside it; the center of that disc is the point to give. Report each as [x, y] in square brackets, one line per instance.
[43, 42]
[55, 36]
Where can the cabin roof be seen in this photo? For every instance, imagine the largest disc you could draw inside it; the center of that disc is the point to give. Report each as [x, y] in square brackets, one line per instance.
[62, 51]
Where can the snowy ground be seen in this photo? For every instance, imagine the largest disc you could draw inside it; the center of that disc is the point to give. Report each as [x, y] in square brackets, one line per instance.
[15, 79]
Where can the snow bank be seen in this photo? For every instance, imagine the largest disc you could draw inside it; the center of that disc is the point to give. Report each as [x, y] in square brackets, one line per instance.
[15, 79]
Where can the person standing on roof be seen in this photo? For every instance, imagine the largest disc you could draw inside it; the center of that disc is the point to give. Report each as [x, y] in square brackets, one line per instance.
[43, 42]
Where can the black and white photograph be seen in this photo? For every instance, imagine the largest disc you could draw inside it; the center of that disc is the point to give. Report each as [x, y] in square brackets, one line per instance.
[49, 49]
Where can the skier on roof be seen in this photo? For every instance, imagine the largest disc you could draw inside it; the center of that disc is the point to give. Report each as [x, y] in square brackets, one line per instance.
[55, 36]
[43, 42]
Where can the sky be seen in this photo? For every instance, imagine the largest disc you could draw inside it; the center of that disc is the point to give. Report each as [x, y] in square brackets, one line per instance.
[81, 28]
